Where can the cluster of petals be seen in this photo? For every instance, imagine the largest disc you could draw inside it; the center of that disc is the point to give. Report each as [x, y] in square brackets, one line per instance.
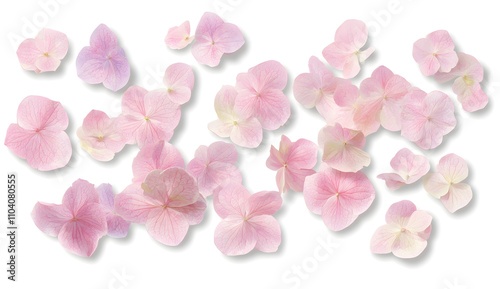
[406, 232]
[247, 221]
[179, 82]
[294, 161]
[39, 136]
[343, 148]
[167, 202]
[339, 197]
[257, 102]
[447, 183]
[104, 61]
[44, 52]
[78, 223]
[408, 168]
[214, 166]
[426, 118]
[435, 53]
[345, 52]
[155, 156]
[117, 226]
[213, 38]
[100, 137]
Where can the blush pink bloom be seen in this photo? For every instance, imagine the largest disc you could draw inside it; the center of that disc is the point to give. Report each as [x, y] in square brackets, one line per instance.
[214, 38]
[343, 148]
[178, 37]
[381, 100]
[294, 161]
[260, 94]
[179, 80]
[338, 197]
[117, 226]
[467, 76]
[148, 117]
[345, 52]
[157, 156]
[406, 232]
[426, 118]
[435, 53]
[100, 136]
[408, 168]
[104, 61]
[319, 88]
[44, 52]
[446, 184]
[78, 223]
[247, 220]
[168, 203]
[39, 136]
[243, 129]
[214, 166]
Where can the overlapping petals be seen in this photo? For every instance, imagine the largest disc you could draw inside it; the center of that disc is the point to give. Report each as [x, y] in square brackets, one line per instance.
[39, 136]
[104, 61]
[44, 52]
[179, 80]
[157, 156]
[117, 226]
[214, 167]
[408, 168]
[79, 222]
[294, 161]
[435, 53]
[406, 232]
[338, 197]
[247, 220]
[345, 52]
[179, 37]
[447, 183]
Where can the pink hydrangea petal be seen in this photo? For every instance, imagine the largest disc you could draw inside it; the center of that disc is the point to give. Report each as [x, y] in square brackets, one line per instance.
[392, 180]
[453, 168]
[247, 133]
[268, 232]
[409, 168]
[351, 67]
[179, 37]
[53, 42]
[383, 239]
[436, 185]
[174, 186]
[50, 218]
[47, 63]
[435, 53]
[91, 68]
[79, 195]
[118, 70]
[106, 196]
[194, 212]
[117, 226]
[27, 53]
[179, 80]
[234, 237]
[458, 197]
[38, 113]
[335, 216]
[309, 88]
[134, 207]
[428, 63]
[222, 152]
[167, 226]
[82, 236]
[133, 101]
[352, 32]
[231, 200]
[159, 156]
[408, 245]
[302, 154]
[419, 221]
[294, 179]
[399, 213]
[213, 175]
[103, 38]
[472, 98]
[263, 203]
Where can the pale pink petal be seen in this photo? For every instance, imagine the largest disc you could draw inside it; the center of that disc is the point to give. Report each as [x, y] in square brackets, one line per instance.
[458, 197]
[179, 80]
[436, 185]
[335, 216]
[214, 38]
[392, 180]
[408, 245]
[28, 53]
[309, 88]
[263, 203]
[167, 226]
[268, 233]
[50, 218]
[419, 221]
[423, 55]
[247, 133]
[173, 186]
[103, 38]
[399, 213]
[233, 236]
[352, 32]
[435, 53]
[134, 207]
[294, 179]
[79, 195]
[472, 98]
[41, 113]
[383, 239]
[91, 68]
[106, 196]
[179, 37]
[409, 168]
[302, 154]
[159, 156]
[117, 226]
[468, 68]
[213, 175]
[351, 67]
[453, 168]
[194, 212]
[118, 70]
[222, 152]
[45, 63]
[231, 200]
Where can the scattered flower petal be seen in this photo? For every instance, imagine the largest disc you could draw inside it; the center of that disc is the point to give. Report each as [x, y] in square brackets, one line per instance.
[100, 136]
[117, 226]
[338, 197]
[345, 52]
[247, 220]
[406, 232]
[158, 156]
[214, 38]
[435, 53]
[44, 52]
[104, 61]
[178, 37]
[343, 148]
[39, 136]
[179, 80]
[426, 118]
[409, 169]
[446, 184]
[78, 223]
[294, 161]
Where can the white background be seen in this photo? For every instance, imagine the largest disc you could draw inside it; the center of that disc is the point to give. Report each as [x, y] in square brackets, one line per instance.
[462, 246]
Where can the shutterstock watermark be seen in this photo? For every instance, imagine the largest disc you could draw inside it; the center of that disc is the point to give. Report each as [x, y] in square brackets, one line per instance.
[222, 7]
[31, 25]
[120, 280]
[383, 17]
[324, 250]
[455, 284]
